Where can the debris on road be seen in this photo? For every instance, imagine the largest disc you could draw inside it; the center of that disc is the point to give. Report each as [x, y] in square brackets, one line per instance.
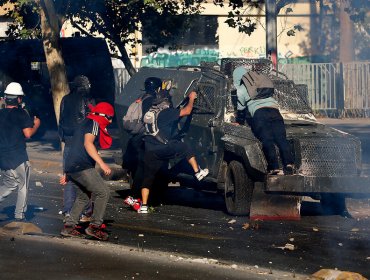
[39, 184]
[232, 221]
[331, 274]
[21, 228]
[315, 229]
[245, 226]
[287, 246]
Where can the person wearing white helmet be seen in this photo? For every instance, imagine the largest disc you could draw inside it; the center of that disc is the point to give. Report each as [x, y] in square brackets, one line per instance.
[15, 126]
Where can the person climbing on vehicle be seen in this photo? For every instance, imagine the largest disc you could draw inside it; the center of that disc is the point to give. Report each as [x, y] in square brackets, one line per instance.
[162, 143]
[134, 125]
[267, 122]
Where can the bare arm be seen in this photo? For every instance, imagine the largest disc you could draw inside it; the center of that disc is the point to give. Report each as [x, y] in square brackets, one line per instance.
[29, 131]
[93, 152]
[186, 111]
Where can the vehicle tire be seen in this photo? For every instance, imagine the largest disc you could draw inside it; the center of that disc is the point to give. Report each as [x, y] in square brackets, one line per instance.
[238, 189]
[333, 204]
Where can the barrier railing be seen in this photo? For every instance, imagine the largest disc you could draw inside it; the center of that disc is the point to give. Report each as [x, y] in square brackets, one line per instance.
[342, 89]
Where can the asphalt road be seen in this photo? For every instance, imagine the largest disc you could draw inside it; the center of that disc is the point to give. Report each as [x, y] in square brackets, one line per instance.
[189, 237]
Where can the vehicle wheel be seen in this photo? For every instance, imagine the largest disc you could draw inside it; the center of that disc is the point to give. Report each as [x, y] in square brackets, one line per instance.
[333, 204]
[238, 189]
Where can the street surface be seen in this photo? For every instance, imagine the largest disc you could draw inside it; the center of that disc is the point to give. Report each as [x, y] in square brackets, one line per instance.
[190, 236]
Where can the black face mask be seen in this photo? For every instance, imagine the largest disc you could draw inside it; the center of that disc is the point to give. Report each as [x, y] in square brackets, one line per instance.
[11, 101]
[85, 92]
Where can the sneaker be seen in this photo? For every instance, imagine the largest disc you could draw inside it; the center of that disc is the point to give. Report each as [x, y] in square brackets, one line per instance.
[85, 219]
[201, 174]
[96, 232]
[65, 217]
[72, 231]
[143, 209]
[288, 170]
[273, 172]
[133, 202]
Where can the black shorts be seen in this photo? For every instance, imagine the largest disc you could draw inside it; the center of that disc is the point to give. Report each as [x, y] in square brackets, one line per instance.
[157, 159]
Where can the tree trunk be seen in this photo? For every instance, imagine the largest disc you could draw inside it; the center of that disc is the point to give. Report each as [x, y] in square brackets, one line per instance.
[271, 32]
[54, 60]
[346, 47]
[126, 60]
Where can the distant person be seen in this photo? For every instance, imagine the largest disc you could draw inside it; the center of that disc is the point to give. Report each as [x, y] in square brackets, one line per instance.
[165, 145]
[15, 126]
[133, 157]
[80, 169]
[267, 125]
[74, 108]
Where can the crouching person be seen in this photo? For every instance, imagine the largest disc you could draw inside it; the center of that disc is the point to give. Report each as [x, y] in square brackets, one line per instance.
[161, 143]
[80, 168]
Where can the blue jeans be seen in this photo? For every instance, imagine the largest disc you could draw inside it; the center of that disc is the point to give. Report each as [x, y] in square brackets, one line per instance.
[268, 126]
[70, 189]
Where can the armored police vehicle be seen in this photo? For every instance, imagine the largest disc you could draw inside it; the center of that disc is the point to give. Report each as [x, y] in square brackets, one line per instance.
[327, 161]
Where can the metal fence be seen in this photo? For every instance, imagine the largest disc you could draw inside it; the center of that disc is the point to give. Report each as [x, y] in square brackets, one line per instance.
[121, 77]
[341, 89]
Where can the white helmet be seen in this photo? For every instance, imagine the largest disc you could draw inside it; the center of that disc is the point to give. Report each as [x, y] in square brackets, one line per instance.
[14, 89]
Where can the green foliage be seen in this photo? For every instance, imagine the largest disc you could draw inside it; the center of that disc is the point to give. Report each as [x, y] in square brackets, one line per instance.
[25, 19]
[237, 16]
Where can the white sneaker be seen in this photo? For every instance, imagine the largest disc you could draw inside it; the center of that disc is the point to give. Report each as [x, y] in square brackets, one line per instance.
[201, 174]
[143, 209]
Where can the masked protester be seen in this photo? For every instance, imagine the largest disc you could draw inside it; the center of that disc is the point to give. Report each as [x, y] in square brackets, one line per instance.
[80, 169]
[15, 126]
[74, 108]
[134, 154]
[162, 141]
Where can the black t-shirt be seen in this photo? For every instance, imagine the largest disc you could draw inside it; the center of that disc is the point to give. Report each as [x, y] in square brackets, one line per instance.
[12, 141]
[73, 110]
[167, 124]
[78, 159]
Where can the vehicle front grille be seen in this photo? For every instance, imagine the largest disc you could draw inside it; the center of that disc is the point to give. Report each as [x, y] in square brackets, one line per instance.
[327, 157]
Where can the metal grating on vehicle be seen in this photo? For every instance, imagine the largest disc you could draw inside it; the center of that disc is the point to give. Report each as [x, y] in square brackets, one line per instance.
[327, 157]
[259, 65]
[205, 103]
[290, 97]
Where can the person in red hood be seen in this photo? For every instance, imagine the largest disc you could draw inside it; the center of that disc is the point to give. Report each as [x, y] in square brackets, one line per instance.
[80, 168]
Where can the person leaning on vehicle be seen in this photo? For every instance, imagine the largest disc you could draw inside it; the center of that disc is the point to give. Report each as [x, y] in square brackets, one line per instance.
[165, 145]
[15, 126]
[267, 125]
[134, 154]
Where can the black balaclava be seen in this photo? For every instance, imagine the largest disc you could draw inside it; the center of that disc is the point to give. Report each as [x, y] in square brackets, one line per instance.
[81, 85]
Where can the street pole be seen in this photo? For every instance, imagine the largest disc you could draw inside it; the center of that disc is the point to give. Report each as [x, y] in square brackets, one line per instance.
[271, 33]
